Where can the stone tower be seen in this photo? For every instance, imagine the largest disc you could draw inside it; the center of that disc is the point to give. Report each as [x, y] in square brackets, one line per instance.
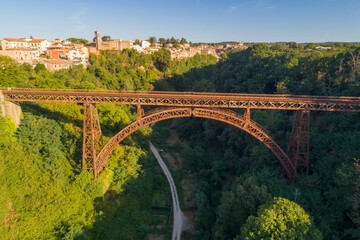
[97, 40]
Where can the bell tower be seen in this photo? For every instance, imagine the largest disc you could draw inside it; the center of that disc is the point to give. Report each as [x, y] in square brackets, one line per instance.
[97, 40]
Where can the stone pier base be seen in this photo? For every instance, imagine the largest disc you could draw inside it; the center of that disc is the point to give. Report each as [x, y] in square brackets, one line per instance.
[10, 109]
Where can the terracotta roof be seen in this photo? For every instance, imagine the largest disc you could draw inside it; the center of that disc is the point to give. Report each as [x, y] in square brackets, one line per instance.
[23, 40]
[15, 39]
[36, 40]
[57, 61]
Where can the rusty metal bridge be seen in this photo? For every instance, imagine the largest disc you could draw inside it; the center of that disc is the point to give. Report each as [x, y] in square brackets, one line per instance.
[185, 104]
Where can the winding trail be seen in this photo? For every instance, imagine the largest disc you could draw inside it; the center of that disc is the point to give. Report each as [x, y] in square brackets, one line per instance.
[178, 216]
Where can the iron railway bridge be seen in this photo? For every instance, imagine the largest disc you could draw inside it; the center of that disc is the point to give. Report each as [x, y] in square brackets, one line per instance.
[215, 106]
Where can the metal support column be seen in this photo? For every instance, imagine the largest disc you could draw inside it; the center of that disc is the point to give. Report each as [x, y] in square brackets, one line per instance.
[298, 148]
[140, 112]
[92, 139]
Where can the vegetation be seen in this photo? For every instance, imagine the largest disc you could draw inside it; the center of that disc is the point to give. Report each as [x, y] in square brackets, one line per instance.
[106, 38]
[279, 219]
[45, 193]
[164, 41]
[238, 188]
[223, 153]
[78, 40]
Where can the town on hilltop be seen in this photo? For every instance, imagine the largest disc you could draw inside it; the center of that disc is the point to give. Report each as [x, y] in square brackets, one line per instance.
[62, 54]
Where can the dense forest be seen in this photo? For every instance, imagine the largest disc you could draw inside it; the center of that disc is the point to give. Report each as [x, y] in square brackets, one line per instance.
[239, 191]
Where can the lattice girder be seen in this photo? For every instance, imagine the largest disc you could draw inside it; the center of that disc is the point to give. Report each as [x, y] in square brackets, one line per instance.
[190, 99]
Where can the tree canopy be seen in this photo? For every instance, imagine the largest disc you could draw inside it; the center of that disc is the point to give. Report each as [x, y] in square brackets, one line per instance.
[78, 40]
[106, 38]
[280, 219]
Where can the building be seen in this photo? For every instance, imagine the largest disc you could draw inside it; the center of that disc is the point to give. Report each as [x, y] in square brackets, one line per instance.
[52, 54]
[137, 48]
[56, 64]
[79, 55]
[56, 53]
[322, 48]
[145, 44]
[39, 44]
[116, 44]
[92, 50]
[21, 54]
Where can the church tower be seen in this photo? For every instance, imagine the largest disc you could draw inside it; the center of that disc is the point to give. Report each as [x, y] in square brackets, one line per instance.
[97, 40]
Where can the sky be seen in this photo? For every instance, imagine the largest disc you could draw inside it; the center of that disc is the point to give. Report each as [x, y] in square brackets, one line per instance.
[196, 20]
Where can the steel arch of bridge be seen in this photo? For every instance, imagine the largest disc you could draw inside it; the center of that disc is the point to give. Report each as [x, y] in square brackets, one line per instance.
[241, 121]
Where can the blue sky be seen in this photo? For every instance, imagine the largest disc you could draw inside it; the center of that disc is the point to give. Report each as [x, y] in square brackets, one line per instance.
[196, 20]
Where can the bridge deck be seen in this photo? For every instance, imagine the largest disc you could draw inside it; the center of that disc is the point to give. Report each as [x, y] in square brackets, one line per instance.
[188, 99]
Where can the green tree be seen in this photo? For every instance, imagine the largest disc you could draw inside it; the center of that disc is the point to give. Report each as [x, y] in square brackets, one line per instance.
[78, 40]
[280, 219]
[162, 42]
[106, 38]
[338, 45]
[40, 67]
[292, 45]
[277, 47]
[162, 59]
[40, 135]
[236, 206]
[137, 42]
[183, 41]
[310, 46]
[173, 40]
[355, 199]
[192, 157]
[152, 40]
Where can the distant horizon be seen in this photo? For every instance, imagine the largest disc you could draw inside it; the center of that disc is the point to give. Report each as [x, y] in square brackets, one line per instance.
[211, 21]
[189, 40]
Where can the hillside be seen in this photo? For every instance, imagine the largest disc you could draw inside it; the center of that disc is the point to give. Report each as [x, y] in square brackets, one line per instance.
[47, 195]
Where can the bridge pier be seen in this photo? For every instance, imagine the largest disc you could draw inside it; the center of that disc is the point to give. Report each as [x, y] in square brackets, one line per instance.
[92, 139]
[298, 148]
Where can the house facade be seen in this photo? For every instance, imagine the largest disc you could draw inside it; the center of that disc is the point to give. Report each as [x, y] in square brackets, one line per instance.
[21, 54]
[38, 44]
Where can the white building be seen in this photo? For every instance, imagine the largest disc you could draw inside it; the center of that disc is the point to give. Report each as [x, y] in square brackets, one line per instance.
[85, 51]
[145, 44]
[38, 44]
[79, 55]
[137, 48]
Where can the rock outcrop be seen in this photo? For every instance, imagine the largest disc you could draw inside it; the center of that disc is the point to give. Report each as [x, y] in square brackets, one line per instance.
[10, 109]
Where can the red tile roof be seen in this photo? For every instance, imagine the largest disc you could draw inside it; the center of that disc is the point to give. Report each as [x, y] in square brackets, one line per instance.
[15, 39]
[36, 40]
[23, 40]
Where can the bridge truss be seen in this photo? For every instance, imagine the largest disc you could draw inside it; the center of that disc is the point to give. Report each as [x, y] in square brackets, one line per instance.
[186, 104]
